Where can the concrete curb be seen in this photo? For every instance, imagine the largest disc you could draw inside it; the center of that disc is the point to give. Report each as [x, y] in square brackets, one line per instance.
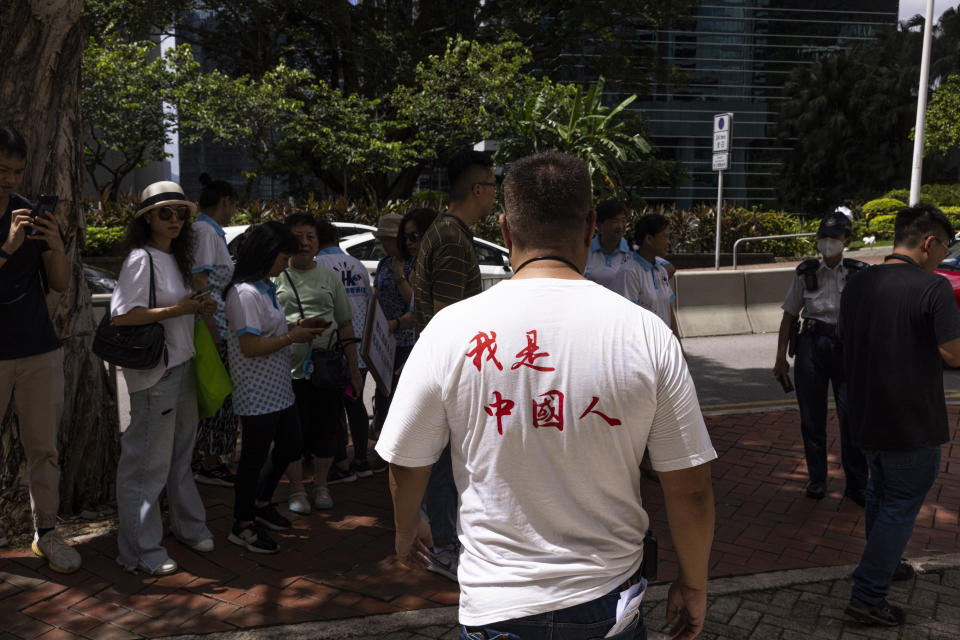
[447, 616]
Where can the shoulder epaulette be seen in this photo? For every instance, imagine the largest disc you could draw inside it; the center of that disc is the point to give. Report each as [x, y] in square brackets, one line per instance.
[811, 265]
[854, 265]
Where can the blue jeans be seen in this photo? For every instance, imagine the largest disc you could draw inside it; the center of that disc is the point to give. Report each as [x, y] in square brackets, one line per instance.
[899, 482]
[819, 360]
[580, 622]
[440, 501]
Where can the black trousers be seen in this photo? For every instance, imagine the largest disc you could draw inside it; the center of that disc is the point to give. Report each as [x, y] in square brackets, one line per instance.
[261, 468]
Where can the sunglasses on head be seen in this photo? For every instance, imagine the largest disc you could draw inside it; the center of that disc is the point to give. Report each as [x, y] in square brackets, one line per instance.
[413, 236]
[165, 213]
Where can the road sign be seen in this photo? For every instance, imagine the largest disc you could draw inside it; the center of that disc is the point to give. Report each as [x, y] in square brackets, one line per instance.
[722, 131]
[722, 138]
[721, 161]
[721, 141]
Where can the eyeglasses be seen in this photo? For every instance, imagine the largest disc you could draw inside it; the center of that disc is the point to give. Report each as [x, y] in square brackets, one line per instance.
[165, 213]
[413, 236]
[487, 184]
[945, 245]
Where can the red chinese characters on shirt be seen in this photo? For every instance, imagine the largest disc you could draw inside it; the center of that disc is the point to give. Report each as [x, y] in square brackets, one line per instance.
[548, 413]
[483, 343]
[613, 422]
[528, 355]
[498, 409]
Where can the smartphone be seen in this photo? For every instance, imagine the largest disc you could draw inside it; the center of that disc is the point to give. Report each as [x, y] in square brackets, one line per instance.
[205, 290]
[44, 207]
[786, 384]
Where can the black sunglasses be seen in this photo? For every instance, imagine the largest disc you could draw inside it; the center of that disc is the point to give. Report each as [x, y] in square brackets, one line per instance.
[165, 213]
[413, 236]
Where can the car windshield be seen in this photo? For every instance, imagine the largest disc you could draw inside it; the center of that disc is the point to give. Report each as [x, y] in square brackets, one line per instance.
[952, 261]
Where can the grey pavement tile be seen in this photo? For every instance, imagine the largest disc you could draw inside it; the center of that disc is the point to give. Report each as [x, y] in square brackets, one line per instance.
[765, 632]
[745, 619]
[785, 599]
[951, 579]
[815, 587]
[722, 609]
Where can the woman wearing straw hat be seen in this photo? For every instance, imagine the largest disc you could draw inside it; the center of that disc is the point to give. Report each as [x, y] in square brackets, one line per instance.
[156, 449]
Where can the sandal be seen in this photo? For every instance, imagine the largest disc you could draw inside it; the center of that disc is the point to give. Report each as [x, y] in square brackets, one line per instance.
[298, 502]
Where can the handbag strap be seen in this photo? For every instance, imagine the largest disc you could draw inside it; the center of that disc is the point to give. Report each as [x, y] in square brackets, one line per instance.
[153, 287]
[295, 294]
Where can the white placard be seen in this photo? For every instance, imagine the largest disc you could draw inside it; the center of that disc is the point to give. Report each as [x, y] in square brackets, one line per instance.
[721, 141]
[721, 161]
[379, 347]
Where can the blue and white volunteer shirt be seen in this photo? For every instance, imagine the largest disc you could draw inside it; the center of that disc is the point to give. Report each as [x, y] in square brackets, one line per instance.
[602, 267]
[647, 285]
[356, 282]
[260, 384]
[211, 255]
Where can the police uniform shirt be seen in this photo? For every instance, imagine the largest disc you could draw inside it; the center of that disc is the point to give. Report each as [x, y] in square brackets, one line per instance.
[822, 304]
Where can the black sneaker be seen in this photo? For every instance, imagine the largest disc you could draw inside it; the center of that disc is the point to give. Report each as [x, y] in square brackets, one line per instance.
[816, 490]
[253, 537]
[361, 468]
[881, 614]
[336, 475]
[904, 571]
[269, 517]
[219, 475]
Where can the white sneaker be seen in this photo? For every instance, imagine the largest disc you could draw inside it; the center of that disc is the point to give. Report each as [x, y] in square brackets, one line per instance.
[61, 557]
[204, 546]
[322, 498]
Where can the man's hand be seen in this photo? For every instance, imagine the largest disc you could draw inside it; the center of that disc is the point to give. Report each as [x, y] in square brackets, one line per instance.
[48, 230]
[781, 371]
[413, 546]
[20, 221]
[689, 607]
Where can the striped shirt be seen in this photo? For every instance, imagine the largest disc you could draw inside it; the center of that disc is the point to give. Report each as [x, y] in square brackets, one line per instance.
[447, 270]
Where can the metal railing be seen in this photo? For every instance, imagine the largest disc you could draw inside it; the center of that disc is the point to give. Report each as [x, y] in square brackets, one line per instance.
[787, 235]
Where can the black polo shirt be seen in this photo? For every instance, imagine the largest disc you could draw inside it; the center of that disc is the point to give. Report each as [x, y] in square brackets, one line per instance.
[892, 319]
[25, 327]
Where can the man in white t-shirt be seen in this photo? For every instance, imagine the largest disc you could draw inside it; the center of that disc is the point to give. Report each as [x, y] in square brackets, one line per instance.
[533, 382]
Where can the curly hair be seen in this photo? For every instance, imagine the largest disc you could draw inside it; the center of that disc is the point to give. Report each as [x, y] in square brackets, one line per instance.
[139, 234]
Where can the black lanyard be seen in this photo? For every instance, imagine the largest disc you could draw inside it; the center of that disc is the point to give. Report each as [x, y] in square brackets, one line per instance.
[900, 256]
[558, 258]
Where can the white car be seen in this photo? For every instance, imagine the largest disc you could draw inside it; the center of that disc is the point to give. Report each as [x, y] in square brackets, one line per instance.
[358, 241]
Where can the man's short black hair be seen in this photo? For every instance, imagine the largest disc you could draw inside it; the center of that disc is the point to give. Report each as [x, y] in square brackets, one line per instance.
[649, 225]
[300, 219]
[610, 209]
[915, 223]
[327, 233]
[548, 198]
[12, 142]
[464, 170]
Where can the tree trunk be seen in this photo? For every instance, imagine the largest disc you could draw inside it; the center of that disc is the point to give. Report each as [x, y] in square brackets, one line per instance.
[40, 95]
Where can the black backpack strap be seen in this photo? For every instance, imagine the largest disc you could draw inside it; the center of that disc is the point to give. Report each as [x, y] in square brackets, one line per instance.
[854, 265]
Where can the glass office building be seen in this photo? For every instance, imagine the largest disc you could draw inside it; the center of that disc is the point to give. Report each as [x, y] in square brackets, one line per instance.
[737, 55]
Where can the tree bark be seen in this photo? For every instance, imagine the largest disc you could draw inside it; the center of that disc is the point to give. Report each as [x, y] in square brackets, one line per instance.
[41, 51]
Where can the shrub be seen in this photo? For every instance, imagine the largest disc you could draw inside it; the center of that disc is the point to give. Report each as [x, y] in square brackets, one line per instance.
[882, 206]
[881, 226]
[104, 241]
[942, 195]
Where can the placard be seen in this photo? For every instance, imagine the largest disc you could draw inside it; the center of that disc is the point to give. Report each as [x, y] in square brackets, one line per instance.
[378, 347]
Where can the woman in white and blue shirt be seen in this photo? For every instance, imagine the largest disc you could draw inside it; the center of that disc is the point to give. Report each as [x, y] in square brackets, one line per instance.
[645, 281]
[258, 347]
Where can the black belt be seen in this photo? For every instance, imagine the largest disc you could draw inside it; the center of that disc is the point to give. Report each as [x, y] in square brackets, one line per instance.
[632, 580]
[819, 328]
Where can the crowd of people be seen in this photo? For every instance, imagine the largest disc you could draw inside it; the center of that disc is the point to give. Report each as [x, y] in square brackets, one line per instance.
[496, 400]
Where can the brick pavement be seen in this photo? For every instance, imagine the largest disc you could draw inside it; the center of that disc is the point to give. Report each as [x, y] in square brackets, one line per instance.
[337, 564]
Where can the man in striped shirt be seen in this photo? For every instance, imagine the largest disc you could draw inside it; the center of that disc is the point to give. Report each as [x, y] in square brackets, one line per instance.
[446, 272]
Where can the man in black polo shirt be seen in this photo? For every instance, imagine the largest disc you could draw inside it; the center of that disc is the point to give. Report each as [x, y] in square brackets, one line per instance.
[447, 272]
[899, 322]
[31, 363]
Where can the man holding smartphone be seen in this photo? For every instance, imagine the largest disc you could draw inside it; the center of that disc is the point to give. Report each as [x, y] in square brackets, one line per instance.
[32, 259]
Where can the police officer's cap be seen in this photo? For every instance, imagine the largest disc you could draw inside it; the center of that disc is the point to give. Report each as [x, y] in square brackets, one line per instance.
[835, 224]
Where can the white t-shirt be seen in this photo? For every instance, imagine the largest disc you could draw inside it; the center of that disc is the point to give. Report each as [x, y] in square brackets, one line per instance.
[647, 285]
[133, 290]
[549, 391]
[356, 281]
[261, 384]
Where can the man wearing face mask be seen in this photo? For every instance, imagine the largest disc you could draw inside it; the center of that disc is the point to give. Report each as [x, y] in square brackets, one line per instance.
[815, 292]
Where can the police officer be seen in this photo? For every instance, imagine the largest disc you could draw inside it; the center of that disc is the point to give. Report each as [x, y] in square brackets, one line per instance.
[815, 292]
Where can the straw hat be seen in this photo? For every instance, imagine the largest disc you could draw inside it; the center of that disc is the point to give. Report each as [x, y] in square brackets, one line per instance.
[388, 226]
[162, 194]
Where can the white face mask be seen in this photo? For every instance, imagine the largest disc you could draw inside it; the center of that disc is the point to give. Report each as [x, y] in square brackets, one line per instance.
[830, 247]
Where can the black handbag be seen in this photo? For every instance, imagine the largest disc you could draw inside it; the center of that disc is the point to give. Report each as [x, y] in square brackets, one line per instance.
[326, 368]
[132, 347]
